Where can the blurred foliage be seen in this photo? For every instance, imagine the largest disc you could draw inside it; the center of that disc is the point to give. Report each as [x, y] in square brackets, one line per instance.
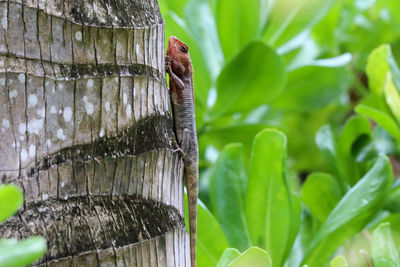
[12, 252]
[298, 118]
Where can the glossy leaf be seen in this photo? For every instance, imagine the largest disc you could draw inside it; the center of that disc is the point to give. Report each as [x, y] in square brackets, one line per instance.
[313, 87]
[241, 17]
[289, 18]
[227, 183]
[380, 118]
[21, 253]
[268, 200]
[242, 88]
[384, 250]
[321, 192]
[229, 255]
[339, 261]
[203, 30]
[211, 241]
[254, 257]
[352, 213]
[10, 200]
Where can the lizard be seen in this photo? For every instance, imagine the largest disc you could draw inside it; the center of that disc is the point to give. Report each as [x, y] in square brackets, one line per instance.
[179, 67]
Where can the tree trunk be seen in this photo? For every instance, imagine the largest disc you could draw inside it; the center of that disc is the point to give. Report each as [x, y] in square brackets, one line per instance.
[85, 132]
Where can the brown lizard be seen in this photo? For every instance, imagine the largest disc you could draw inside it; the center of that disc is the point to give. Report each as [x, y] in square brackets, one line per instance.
[179, 67]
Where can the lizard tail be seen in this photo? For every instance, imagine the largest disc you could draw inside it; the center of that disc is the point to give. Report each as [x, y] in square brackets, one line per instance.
[192, 185]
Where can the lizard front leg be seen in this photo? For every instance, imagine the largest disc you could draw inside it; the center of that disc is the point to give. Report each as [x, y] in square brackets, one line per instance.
[172, 75]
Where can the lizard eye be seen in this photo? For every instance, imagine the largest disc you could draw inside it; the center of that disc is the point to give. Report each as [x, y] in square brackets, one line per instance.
[183, 49]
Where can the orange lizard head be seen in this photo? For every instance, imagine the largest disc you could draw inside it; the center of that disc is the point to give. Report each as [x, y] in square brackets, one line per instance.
[179, 54]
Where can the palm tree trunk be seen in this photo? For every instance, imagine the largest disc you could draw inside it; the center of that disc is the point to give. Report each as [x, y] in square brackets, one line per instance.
[85, 132]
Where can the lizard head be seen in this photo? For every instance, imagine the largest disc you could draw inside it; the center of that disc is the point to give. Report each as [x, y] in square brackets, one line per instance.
[179, 54]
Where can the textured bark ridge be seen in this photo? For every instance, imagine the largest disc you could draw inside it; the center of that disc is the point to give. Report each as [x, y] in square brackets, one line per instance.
[85, 132]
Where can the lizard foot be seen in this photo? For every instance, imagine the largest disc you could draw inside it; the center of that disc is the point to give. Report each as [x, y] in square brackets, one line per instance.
[176, 147]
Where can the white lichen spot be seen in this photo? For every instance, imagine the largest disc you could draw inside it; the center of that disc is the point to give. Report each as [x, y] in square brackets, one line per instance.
[24, 155]
[134, 91]
[125, 98]
[137, 49]
[41, 112]
[35, 125]
[22, 128]
[116, 79]
[62, 184]
[2, 81]
[78, 36]
[21, 138]
[90, 83]
[5, 123]
[4, 21]
[48, 143]
[53, 90]
[67, 114]
[60, 134]
[101, 134]
[16, 145]
[32, 100]
[32, 150]
[53, 110]
[13, 94]
[60, 111]
[88, 106]
[128, 111]
[107, 106]
[21, 77]
[60, 86]
[45, 196]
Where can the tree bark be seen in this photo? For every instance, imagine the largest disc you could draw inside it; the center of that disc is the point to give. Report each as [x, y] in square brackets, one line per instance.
[85, 132]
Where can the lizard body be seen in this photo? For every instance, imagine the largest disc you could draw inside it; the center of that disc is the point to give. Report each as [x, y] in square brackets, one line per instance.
[179, 67]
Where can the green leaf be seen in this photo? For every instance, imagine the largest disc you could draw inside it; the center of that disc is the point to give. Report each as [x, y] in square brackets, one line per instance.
[383, 73]
[325, 140]
[242, 88]
[392, 96]
[392, 204]
[354, 130]
[381, 119]
[254, 257]
[211, 241]
[229, 255]
[227, 183]
[339, 261]
[352, 213]
[313, 87]
[268, 200]
[377, 68]
[20, 253]
[203, 30]
[321, 192]
[384, 251]
[291, 17]
[237, 24]
[11, 199]
[173, 5]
